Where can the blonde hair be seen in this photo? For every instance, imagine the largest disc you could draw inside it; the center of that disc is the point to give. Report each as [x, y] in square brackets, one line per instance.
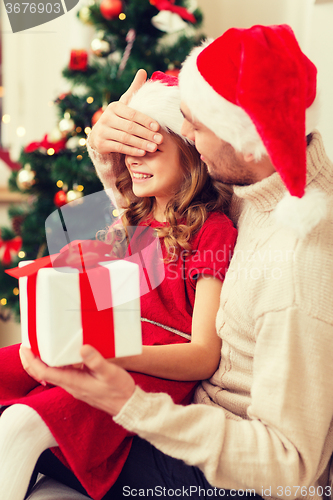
[186, 212]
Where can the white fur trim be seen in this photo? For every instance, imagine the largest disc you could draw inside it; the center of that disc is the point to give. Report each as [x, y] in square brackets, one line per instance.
[160, 102]
[228, 121]
[302, 214]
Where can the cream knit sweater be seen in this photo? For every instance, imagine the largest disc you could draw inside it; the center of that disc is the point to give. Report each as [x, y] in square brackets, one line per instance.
[264, 421]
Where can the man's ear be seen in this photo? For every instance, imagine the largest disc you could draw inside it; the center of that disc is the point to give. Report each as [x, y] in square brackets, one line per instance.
[248, 157]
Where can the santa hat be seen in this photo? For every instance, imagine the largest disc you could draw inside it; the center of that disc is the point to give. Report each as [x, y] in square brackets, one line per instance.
[255, 89]
[159, 98]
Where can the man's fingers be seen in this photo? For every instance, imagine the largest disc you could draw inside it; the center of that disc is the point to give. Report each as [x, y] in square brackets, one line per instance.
[122, 141]
[100, 384]
[139, 79]
[131, 115]
[27, 357]
[41, 372]
[94, 361]
[33, 365]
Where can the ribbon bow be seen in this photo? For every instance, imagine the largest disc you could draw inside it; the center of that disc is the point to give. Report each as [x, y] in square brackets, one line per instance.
[81, 255]
[46, 144]
[169, 5]
[8, 247]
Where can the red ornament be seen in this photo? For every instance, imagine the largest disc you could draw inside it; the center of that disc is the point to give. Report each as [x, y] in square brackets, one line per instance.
[78, 60]
[17, 222]
[111, 8]
[60, 198]
[96, 116]
[63, 95]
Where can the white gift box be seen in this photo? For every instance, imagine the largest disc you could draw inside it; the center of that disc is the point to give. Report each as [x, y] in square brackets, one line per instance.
[59, 329]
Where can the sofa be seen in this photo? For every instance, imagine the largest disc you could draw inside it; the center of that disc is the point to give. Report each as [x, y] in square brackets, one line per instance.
[48, 489]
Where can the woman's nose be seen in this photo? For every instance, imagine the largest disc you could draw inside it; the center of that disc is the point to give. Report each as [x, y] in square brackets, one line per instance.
[132, 160]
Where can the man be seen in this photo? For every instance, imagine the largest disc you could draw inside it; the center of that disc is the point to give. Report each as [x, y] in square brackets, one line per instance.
[264, 421]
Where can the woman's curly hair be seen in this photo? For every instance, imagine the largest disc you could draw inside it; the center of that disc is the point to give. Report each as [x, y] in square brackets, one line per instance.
[186, 211]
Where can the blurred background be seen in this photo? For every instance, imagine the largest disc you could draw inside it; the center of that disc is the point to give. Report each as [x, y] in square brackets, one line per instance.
[31, 64]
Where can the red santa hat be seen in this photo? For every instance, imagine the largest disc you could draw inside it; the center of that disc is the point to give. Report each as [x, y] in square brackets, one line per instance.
[159, 98]
[255, 89]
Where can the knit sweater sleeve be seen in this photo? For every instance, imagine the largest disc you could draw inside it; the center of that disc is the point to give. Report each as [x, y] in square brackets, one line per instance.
[108, 167]
[281, 445]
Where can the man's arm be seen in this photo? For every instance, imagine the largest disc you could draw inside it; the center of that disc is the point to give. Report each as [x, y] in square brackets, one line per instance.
[285, 442]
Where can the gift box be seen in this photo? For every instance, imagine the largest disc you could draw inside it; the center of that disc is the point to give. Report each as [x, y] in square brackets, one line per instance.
[63, 308]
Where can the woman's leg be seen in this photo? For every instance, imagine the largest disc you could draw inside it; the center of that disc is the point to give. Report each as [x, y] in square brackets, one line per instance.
[23, 437]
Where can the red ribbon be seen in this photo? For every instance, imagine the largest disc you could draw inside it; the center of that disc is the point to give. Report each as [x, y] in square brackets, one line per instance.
[91, 318]
[46, 144]
[181, 11]
[9, 246]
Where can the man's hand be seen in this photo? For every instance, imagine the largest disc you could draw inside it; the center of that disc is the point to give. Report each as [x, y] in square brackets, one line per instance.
[101, 384]
[121, 129]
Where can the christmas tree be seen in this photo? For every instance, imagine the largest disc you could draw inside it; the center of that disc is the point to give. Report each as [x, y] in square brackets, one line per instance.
[130, 34]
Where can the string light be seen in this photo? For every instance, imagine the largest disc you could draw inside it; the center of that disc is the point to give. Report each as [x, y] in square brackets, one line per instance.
[87, 130]
[16, 291]
[79, 157]
[90, 100]
[50, 151]
[3, 301]
[6, 118]
[60, 184]
[115, 213]
[122, 16]
[80, 187]
[67, 115]
[82, 141]
[78, 129]
[21, 254]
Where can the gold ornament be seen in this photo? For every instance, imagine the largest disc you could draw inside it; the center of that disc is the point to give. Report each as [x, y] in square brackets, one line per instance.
[84, 15]
[25, 177]
[73, 143]
[66, 125]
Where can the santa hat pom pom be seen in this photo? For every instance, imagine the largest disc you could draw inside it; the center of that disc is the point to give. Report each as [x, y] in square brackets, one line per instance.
[302, 214]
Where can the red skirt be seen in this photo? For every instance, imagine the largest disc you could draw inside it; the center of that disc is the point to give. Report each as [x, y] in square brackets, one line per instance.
[91, 444]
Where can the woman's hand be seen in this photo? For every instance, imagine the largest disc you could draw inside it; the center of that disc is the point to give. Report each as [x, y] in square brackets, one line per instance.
[121, 129]
[101, 384]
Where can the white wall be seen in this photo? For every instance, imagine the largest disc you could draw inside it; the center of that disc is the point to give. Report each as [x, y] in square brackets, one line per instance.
[320, 51]
[32, 63]
[223, 14]
[4, 174]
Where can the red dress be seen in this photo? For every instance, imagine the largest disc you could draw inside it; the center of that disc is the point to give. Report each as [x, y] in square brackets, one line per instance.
[90, 443]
